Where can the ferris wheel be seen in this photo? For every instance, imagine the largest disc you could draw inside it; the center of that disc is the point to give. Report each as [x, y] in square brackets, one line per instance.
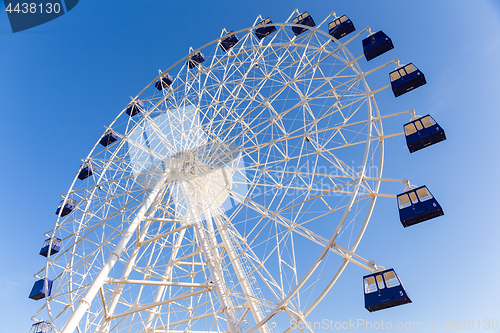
[231, 193]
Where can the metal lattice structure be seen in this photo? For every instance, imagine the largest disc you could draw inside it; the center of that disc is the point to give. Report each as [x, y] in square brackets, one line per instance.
[232, 201]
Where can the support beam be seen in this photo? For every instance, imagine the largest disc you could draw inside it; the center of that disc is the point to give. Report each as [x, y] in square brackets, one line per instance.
[236, 262]
[142, 243]
[193, 319]
[161, 283]
[152, 305]
[84, 303]
[217, 277]
[167, 276]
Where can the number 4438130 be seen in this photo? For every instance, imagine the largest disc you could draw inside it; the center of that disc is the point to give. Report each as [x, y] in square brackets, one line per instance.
[472, 324]
[34, 8]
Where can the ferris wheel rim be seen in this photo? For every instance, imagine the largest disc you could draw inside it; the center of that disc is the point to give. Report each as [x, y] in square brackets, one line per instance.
[248, 30]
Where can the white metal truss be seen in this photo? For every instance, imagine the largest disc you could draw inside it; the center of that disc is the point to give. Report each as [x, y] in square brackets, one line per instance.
[233, 201]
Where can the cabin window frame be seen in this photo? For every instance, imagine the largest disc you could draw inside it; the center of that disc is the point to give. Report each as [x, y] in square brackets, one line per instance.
[69, 201]
[413, 197]
[404, 203]
[425, 197]
[412, 129]
[380, 281]
[428, 121]
[412, 68]
[264, 21]
[55, 242]
[301, 17]
[418, 125]
[370, 284]
[391, 279]
[393, 76]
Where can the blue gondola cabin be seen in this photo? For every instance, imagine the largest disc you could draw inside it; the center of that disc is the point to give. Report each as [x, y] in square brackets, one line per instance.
[41, 327]
[135, 108]
[261, 32]
[164, 81]
[384, 290]
[418, 205]
[340, 27]
[41, 289]
[303, 19]
[195, 60]
[49, 247]
[108, 138]
[423, 132]
[376, 44]
[228, 41]
[405, 79]
[86, 171]
[67, 208]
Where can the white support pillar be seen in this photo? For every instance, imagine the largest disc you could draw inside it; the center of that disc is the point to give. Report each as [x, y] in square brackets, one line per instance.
[128, 267]
[242, 278]
[167, 276]
[85, 302]
[217, 278]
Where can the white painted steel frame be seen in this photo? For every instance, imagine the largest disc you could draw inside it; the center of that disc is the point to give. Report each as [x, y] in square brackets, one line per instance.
[207, 238]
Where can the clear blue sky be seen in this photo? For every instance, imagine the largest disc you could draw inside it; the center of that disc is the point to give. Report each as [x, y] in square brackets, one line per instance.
[63, 81]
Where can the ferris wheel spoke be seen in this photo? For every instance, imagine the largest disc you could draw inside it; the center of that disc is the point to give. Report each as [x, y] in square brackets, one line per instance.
[239, 269]
[267, 138]
[344, 253]
[259, 268]
[153, 305]
[289, 225]
[281, 115]
[281, 89]
[215, 315]
[238, 86]
[163, 283]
